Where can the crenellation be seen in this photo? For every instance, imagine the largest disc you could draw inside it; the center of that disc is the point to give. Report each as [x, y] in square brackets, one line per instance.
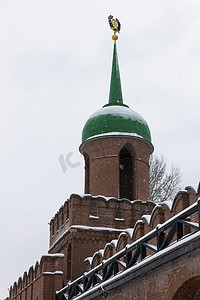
[145, 224]
[94, 211]
[122, 241]
[19, 285]
[108, 252]
[15, 288]
[11, 292]
[138, 230]
[30, 287]
[181, 202]
[25, 279]
[37, 270]
[96, 260]
[192, 194]
[157, 216]
[60, 217]
[166, 211]
[97, 210]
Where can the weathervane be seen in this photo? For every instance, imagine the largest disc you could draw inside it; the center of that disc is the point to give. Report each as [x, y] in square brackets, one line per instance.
[115, 26]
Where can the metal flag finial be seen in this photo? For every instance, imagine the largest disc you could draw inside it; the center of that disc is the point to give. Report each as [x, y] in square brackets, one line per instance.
[115, 26]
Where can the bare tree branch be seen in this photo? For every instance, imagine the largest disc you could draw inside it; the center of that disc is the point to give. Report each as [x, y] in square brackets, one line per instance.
[163, 185]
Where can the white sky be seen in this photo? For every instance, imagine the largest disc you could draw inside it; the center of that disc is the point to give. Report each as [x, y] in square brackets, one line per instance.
[55, 62]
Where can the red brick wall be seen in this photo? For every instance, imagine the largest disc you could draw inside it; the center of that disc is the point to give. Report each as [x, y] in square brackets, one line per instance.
[103, 165]
[41, 282]
[158, 215]
[176, 280]
[98, 212]
[83, 243]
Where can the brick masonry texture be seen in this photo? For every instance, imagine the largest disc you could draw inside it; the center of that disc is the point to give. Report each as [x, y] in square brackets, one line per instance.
[90, 228]
[102, 166]
[176, 280]
[41, 282]
[52, 272]
[145, 224]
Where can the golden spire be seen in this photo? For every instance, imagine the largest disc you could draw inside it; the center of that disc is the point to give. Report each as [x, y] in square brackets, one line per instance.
[115, 26]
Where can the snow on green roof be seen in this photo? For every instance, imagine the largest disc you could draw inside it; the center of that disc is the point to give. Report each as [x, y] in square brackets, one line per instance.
[115, 118]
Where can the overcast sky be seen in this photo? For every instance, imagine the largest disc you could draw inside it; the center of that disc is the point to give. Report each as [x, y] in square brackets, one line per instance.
[55, 63]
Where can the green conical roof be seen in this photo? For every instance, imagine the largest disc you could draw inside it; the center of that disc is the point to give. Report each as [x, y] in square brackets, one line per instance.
[115, 97]
[115, 118]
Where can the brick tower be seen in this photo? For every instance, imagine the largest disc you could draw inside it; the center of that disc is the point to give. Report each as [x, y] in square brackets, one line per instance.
[116, 144]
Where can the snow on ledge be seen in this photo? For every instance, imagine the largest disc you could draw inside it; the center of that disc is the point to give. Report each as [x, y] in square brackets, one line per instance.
[89, 259]
[168, 203]
[130, 231]
[54, 255]
[114, 242]
[115, 134]
[104, 197]
[95, 228]
[53, 273]
[84, 228]
[85, 195]
[101, 251]
[140, 264]
[147, 218]
[93, 217]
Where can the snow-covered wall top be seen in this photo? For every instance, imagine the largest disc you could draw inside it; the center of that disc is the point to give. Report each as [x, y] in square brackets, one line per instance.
[148, 222]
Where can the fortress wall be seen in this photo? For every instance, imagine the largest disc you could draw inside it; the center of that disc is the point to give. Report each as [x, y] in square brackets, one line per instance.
[42, 280]
[97, 211]
[147, 222]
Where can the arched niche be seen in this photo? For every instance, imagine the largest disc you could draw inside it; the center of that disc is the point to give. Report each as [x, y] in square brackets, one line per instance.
[87, 173]
[69, 260]
[126, 175]
[189, 290]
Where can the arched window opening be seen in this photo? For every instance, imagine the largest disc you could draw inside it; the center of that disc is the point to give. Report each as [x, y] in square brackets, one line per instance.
[69, 265]
[57, 222]
[87, 174]
[125, 174]
[52, 227]
[67, 210]
[119, 210]
[62, 216]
